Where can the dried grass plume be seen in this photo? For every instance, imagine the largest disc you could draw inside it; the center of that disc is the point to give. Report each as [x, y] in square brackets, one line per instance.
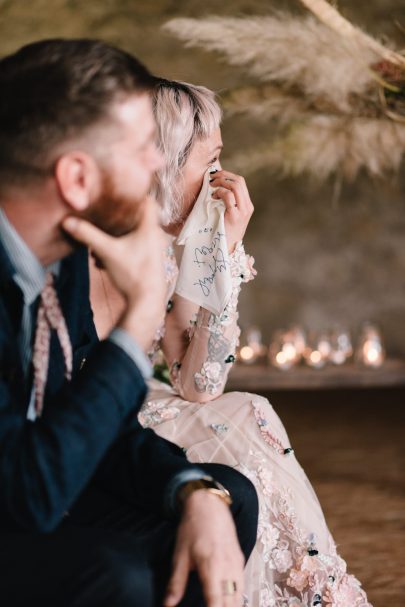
[336, 95]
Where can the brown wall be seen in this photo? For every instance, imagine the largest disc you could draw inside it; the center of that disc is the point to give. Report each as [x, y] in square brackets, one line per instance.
[319, 261]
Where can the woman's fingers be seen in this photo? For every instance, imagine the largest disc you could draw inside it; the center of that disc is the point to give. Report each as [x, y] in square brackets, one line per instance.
[232, 190]
[237, 185]
[229, 175]
[228, 197]
[234, 200]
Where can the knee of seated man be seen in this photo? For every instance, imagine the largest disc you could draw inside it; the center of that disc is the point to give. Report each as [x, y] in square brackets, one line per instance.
[123, 577]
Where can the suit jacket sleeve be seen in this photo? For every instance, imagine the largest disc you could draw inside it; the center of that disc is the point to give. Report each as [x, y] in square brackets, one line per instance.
[44, 465]
[88, 428]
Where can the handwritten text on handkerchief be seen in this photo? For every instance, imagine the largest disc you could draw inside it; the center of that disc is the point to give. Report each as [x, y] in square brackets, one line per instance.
[210, 260]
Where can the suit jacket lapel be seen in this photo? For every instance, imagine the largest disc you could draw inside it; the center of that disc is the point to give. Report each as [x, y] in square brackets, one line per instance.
[11, 295]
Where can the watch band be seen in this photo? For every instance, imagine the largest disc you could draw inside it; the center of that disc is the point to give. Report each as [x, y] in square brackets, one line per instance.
[206, 483]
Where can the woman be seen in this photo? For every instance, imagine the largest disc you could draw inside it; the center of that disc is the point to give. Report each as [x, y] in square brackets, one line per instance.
[295, 562]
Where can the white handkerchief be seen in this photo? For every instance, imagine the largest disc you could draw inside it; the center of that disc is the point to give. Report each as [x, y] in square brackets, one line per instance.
[204, 273]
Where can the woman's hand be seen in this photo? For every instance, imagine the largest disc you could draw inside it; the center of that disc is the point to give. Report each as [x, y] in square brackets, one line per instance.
[232, 190]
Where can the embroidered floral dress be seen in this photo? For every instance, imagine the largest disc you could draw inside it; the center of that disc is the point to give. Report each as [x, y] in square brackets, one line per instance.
[294, 562]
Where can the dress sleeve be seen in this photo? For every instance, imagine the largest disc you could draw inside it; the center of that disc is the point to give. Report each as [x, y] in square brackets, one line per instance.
[199, 347]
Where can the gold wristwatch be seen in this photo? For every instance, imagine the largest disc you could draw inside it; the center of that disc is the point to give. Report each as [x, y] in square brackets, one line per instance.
[207, 483]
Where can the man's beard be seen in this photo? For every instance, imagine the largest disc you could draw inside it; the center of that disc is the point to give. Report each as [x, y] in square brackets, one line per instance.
[112, 212]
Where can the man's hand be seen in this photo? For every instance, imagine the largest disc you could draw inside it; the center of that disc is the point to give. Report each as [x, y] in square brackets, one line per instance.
[207, 542]
[134, 263]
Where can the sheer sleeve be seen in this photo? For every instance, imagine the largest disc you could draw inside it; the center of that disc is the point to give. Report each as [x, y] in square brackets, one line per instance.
[199, 347]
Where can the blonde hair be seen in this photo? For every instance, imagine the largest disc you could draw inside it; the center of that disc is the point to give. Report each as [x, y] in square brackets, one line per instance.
[184, 113]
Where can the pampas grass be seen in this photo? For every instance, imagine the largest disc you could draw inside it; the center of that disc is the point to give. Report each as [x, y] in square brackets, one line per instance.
[331, 17]
[285, 49]
[337, 106]
[324, 146]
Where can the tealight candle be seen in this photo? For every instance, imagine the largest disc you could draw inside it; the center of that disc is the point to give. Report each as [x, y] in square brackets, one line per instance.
[282, 361]
[247, 354]
[289, 352]
[315, 353]
[314, 358]
[252, 347]
[283, 352]
[371, 350]
[341, 347]
[373, 354]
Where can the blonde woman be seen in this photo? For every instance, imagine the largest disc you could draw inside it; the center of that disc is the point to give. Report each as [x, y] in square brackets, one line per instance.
[295, 562]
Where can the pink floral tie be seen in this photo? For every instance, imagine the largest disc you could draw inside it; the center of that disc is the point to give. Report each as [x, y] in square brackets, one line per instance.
[49, 317]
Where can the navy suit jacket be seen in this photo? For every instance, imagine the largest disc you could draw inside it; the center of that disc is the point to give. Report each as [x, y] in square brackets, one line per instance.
[88, 432]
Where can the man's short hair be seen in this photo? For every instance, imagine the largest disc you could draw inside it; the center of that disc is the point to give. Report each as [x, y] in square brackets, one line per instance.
[52, 91]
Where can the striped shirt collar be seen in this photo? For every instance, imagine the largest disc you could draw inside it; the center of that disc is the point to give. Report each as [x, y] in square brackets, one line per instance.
[29, 274]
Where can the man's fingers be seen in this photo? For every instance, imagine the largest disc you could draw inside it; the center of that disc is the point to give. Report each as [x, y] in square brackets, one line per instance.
[217, 578]
[87, 233]
[210, 585]
[178, 581]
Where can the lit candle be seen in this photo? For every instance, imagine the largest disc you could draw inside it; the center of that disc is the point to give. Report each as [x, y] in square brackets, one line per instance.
[299, 341]
[283, 352]
[316, 350]
[324, 346]
[247, 354]
[341, 347]
[373, 355]
[252, 347]
[371, 351]
[282, 361]
[289, 352]
[315, 359]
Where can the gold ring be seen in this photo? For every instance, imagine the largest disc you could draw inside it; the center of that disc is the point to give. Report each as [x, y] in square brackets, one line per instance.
[228, 587]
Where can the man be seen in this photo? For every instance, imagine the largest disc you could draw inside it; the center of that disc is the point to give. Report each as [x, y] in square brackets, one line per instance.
[92, 507]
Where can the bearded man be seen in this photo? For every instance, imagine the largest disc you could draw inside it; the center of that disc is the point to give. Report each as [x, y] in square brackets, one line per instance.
[92, 506]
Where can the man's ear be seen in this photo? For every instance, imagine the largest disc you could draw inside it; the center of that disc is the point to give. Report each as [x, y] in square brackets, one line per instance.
[78, 178]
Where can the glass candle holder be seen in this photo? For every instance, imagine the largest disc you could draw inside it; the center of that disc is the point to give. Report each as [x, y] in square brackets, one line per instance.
[316, 351]
[341, 346]
[247, 355]
[284, 350]
[370, 349]
[252, 347]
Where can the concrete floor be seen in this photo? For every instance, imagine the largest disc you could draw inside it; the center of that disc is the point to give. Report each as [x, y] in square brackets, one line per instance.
[351, 444]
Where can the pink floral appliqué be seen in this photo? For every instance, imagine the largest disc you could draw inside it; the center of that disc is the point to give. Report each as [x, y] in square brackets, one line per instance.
[266, 433]
[209, 378]
[154, 413]
[301, 575]
[242, 264]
